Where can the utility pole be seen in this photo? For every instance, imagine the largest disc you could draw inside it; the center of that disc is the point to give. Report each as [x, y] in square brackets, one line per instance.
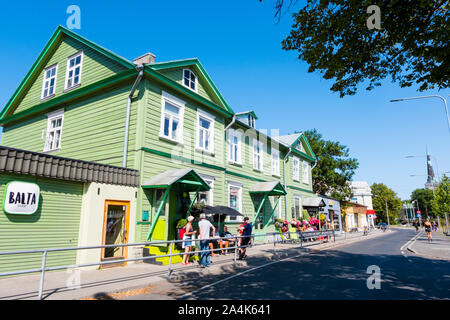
[387, 212]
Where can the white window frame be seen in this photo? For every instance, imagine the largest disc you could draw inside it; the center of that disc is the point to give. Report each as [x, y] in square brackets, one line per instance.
[276, 168]
[296, 169]
[305, 172]
[196, 80]
[178, 103]
[256, 142]
[299, 198]
[208, 117]
[237, 186]
[68, 69]
[210, 182]
[44, 81]
[231, 135]
[52, 117]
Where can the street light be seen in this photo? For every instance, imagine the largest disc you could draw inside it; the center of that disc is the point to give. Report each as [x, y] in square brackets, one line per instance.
[432, 96]
[417, 202]
[387, 213]
[435, 161]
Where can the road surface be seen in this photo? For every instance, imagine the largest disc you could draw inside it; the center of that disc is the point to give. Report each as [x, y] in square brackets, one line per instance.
[339, 273]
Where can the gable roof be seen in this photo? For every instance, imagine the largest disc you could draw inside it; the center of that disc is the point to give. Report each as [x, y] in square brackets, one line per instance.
[54, 41]
[288, 140]
[201, 73]
[247, 112]
[291, 139]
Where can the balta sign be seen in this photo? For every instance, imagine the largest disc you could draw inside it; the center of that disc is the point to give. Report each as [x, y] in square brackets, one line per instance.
[21, 198]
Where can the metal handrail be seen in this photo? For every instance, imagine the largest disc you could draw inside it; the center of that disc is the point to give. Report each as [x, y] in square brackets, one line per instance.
[43, 269]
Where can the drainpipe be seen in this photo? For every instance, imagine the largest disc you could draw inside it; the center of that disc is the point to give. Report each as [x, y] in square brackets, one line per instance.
[140, 68]
[231, 123]
[315, 164]
[285, 183]
[225, 155]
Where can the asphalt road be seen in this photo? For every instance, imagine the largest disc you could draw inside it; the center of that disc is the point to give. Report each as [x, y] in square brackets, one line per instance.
[339, 273]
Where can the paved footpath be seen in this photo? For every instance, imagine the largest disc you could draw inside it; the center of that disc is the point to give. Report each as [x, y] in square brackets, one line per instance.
[438, 248]
[138, 278]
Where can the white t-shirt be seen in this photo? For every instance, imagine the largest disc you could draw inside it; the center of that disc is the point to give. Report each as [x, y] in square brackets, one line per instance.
[205, 226]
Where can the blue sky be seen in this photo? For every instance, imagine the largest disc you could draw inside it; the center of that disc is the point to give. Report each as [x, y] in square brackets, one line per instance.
[239, 43]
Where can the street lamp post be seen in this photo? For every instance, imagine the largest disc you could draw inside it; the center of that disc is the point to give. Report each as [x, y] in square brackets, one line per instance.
[420, 218]
[432, 96]
[387, 213]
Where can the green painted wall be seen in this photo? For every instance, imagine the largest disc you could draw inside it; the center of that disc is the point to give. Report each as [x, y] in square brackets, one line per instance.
[93, 129]
[176, 74]
[55, 224]
[95, 68]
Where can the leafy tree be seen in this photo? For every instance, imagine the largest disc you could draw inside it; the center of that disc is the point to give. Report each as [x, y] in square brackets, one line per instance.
[381, 193]
[424, 198]
[334, 167]
[441, 202]
[334, 38]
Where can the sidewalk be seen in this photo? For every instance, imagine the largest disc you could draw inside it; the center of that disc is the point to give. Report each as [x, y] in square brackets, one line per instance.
[439, 248]
[59, 285]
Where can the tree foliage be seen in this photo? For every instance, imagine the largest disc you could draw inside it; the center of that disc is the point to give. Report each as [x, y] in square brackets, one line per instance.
[411, 47]
[424, 198]
[334, 167]
[382, 194]
[441, 202]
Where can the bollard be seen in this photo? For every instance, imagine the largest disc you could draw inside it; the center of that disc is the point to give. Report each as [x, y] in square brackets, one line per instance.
[41, 285]
[274, 246]
[169, 272]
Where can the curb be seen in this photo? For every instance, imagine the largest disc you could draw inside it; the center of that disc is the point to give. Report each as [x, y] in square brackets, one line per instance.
[423, 254]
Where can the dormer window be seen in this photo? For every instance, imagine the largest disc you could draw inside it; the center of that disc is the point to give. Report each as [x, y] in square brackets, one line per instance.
[190, 79]
[251, 121]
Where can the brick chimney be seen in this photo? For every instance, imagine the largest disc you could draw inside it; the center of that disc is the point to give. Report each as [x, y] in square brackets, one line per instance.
[147, 58]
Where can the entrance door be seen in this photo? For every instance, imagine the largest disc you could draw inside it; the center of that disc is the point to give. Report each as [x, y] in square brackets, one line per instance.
[115, 230]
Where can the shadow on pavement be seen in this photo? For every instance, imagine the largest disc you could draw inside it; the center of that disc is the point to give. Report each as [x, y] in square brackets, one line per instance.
[324, 275]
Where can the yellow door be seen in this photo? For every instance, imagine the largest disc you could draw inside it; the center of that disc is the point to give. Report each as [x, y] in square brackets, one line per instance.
[115, 230]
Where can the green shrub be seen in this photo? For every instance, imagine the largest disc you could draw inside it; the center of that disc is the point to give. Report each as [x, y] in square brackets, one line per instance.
[306, 215]
[181, 223]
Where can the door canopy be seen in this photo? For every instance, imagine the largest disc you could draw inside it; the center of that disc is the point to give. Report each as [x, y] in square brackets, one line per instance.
[272, 188]
[182, 180]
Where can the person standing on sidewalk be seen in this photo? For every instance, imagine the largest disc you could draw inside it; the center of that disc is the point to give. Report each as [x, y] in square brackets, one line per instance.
[205, 230]
[434, 226]
[416, 225]
[246, 230]
[188, 235]
[427, 226]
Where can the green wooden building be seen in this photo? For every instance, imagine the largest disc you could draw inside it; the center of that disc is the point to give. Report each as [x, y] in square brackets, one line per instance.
[166, 120]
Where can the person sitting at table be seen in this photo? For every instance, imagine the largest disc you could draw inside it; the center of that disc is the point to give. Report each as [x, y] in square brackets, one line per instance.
[229, 240]
[214, 242]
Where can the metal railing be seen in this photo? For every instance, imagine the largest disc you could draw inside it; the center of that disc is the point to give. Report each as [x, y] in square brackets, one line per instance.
[276, 237]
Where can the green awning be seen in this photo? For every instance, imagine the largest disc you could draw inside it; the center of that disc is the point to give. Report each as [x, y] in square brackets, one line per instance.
[271, 188]
[185, 179]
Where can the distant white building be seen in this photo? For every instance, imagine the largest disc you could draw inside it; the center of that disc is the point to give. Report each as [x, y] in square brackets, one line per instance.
[362, 194]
